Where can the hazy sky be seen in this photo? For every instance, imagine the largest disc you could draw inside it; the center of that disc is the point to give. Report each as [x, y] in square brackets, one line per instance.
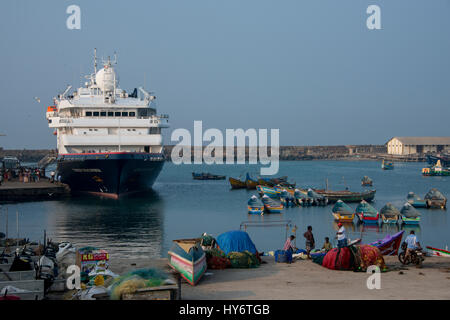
[310, 68]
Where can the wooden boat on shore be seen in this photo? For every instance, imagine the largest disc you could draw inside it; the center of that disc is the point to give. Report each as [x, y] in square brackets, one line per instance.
[207, 176]
[188, 258]
[439, 252]
[390, 244]
[342, 212]
[237, 184]
[366, 213]
[347, 196]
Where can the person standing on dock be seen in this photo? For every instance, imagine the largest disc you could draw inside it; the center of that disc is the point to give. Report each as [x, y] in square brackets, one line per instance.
[341, 237]
[310, 243]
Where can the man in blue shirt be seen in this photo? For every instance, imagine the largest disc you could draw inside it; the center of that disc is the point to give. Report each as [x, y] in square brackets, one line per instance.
[412, 243]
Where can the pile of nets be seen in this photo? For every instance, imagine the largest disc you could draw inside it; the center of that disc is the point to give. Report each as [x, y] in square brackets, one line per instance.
[244, 259]
[366, 209]
[137, 279]
[216, 259]
[389, 210]
[356, 258]
[342, 208]
[409, 211]
[207, 240]
[434, 194]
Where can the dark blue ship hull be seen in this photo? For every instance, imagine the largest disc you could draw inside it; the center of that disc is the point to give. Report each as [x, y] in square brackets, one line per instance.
[109, 174]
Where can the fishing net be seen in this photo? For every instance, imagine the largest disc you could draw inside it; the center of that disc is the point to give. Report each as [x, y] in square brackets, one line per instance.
[244, 259]
[409, 211]
[389, 210]
[218, 263]
[137, 279]
[367, 255]
[207, 240]
[338, 259]
[366, 209]
[318, 257]
[342, 208]
[434, 194]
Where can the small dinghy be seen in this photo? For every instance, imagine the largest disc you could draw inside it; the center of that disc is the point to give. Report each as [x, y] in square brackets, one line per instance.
[188, 258]
[415, 200]
[271, 205]
[389, 214]
[366, 213]
[409, 214]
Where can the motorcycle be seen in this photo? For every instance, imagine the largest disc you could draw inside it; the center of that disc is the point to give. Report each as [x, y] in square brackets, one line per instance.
[416, 256]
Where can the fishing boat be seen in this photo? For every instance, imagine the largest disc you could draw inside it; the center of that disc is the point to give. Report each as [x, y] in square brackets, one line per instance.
[271, 205]
[255, 206]
[346, 195]
[250, 182]
[436, 170]
[439, 252]
[435, 199]
[409, 215]
[301, 198]
[366, 213]
[390, 214]
[268, 191]
[271, 182]
[389, 245]
[287, 199]
[366, 181]
[237, 184]
[387, 165]
[342, 212]
[316, 199]
[188, 258]
[207, 176]
[415, 200]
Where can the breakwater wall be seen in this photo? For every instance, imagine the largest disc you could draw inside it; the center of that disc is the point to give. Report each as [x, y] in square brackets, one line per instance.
[339, 152]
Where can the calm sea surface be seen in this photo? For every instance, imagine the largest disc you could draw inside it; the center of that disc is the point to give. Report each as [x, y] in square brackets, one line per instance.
[179, 207]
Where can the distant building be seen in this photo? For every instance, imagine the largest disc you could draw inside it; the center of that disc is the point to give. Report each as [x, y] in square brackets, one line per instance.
[417, 145]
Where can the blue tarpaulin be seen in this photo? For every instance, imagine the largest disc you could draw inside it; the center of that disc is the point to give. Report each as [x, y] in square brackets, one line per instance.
[235, 241]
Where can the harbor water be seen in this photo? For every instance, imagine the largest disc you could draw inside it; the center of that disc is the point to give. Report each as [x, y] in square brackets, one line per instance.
[144, 225]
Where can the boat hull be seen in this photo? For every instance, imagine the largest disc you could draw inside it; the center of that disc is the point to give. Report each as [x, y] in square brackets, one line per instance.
[366, 219]
[410, 221]
[191, 265]
[237, 184]
[343, 218]
[109, 174]
[389, 245]
[255, 210]
[439, 252]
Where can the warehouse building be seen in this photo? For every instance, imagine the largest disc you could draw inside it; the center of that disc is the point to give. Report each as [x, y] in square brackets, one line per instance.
[417, 145]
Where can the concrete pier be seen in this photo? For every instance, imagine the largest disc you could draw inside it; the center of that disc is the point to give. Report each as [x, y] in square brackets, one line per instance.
[15, 191]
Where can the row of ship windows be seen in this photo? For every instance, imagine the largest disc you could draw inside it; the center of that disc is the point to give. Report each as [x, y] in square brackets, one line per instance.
[110, 114]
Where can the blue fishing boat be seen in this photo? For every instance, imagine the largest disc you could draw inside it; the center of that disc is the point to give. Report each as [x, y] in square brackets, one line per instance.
[390, 214]
[271, 205]
[255, 206]
[366, 213]
[268, 191]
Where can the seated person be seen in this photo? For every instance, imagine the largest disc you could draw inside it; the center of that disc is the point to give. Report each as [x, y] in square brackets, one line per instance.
[327, 246]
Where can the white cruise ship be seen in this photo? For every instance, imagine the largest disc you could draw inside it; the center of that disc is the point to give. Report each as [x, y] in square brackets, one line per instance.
[109, 140]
